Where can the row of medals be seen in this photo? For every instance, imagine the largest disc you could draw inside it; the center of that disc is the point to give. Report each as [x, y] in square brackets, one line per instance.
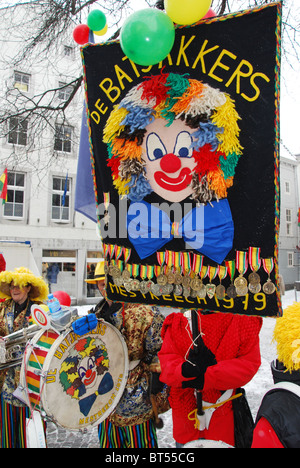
[185, 285]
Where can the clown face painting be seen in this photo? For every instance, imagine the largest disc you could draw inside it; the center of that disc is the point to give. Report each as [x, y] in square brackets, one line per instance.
[178, 138]
[168, 159]
[80, 370]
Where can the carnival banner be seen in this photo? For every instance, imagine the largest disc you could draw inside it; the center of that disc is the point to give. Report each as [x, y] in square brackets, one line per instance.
[185, 158]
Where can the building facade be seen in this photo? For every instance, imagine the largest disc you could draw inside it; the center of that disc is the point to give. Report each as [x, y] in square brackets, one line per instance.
[41, 154]
[41, 158]
[289, 258]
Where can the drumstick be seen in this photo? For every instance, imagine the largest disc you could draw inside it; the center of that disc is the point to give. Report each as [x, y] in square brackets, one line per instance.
[195, 332]
[157, 421]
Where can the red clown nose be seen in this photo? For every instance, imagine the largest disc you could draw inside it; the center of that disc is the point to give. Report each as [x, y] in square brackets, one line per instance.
[170, 163]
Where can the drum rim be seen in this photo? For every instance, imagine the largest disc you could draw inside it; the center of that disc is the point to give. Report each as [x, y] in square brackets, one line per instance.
[25, 360]
[122, 386]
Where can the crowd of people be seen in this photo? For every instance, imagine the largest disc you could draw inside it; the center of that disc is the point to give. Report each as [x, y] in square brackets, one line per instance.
[194, 362]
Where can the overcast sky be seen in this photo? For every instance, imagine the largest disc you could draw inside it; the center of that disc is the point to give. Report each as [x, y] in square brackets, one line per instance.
[290, 89]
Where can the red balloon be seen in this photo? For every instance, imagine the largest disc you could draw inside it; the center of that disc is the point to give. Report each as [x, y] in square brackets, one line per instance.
[81, 34]
[63, 297]
[210, 14]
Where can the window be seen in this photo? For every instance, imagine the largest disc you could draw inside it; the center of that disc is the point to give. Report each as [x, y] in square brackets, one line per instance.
[21, 81]
[61, 188]
[63, 138]
[14, 207]
[288, 218]
[287, 187]
[65, 91]
[290, 262]
[17, 134]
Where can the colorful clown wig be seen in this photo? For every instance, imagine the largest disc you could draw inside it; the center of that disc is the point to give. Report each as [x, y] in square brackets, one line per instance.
[287, 336]
[70, 374]
[208, 111]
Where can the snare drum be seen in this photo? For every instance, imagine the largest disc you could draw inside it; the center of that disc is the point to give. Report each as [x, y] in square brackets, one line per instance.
[76, 380]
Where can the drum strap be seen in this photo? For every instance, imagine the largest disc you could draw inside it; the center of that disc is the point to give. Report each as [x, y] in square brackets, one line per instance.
[209, 408]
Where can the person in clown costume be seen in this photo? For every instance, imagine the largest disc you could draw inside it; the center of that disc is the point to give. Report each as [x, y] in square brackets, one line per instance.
[134, 421]
[175, 139]
[20, 289]
[277, 422]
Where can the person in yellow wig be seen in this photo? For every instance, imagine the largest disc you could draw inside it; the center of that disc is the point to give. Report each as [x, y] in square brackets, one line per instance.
[20, 288]
[135, 419]
[278, 419]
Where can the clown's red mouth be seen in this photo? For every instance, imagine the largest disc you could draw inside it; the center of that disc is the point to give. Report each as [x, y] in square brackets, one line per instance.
[174, 184]
[89, 378]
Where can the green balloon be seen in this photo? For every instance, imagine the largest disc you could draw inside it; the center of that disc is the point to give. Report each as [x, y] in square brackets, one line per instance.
[96, 20]
[147, 36]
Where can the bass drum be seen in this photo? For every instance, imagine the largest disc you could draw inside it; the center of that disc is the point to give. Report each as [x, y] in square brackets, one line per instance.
[203, 443]
[76, 380]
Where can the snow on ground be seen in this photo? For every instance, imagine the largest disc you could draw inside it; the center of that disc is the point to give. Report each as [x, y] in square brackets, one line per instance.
[255, 389]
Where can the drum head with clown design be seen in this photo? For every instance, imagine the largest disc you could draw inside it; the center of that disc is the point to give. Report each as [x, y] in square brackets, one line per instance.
[85, 377]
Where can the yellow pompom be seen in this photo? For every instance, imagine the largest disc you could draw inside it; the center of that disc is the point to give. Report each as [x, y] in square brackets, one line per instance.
[287, 336]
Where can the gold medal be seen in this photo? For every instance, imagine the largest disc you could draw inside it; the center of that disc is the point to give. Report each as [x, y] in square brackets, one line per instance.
[171, 278]
[240, 282]
[162, 279]
[202, 291]
[269, 287]
[254, 288]
[186, 281]
[242, 290]
[127, 285]
[178, 290]
[126, 275]
[231, 291]
[116, 272]
[255, 263]
[118, 281]
[178, 278]
[156, 289]
[220, 292]
[242, 266]
[196, 284]
[135, 285]
[149, 285]
[168, 288]
[144, 287]
[254, 278]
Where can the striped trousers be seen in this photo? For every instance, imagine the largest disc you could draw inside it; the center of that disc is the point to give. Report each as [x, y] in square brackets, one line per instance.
[138, 436]
[13, 425]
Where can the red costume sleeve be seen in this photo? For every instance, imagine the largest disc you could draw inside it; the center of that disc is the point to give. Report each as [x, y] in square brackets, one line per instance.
[234, 373]
[264, 436]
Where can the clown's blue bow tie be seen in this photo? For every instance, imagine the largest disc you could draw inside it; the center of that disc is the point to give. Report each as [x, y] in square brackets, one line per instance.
[208, 229]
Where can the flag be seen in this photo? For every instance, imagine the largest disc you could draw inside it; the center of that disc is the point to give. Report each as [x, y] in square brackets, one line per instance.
[65, 191]
[84, 195]
[3, 186]
[85, 202]
[215, 99]
[298, 216]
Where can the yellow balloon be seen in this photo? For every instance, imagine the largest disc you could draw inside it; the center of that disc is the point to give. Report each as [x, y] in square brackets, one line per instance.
[102, 32]
[187, 11]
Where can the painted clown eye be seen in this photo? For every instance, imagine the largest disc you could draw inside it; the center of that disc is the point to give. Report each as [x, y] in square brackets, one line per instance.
[155, 147]
[183, 146]
[82, 372]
